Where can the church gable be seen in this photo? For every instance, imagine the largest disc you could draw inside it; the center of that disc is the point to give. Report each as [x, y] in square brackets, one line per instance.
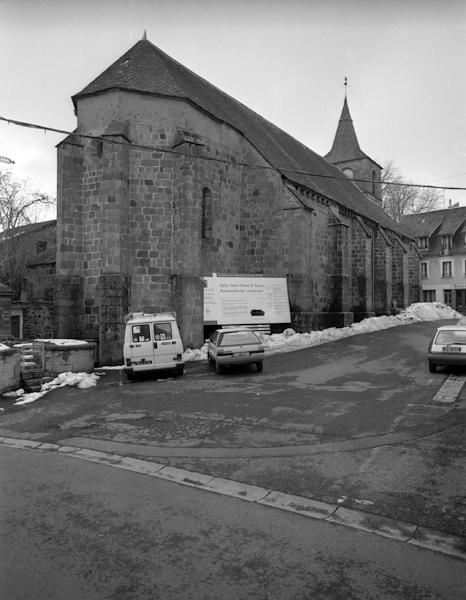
[184, 181]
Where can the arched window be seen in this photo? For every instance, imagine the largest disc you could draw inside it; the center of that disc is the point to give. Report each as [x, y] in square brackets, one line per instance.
[206, 225]
[374, 179]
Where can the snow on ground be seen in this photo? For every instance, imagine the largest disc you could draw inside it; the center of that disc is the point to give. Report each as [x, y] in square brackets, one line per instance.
[289, 340]
[81, 380]
[64, 342]
[277, 342]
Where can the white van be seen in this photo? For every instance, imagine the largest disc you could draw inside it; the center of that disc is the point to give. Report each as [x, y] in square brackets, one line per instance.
[152, 342]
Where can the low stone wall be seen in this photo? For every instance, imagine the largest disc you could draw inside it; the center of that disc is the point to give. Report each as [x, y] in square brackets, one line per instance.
[62, 358]
[313, 321]
[10, 367]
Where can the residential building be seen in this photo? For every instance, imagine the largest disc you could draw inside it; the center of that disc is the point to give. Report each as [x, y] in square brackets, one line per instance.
[441, 241]
[27, 265]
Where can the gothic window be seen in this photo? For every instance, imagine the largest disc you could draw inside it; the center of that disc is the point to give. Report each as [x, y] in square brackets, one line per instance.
[206, 226]
[374, 178]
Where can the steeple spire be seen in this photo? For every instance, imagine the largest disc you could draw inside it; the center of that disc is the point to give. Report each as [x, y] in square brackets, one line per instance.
[345, 145]
[348, 156]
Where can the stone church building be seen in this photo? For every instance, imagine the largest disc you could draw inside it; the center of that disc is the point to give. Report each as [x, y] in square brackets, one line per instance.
[185, 181]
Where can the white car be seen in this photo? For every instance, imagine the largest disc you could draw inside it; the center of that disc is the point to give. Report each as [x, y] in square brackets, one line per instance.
[447, 347]
[239, 346]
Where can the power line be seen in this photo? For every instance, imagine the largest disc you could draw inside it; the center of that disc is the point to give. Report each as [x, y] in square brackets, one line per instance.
[214, 159]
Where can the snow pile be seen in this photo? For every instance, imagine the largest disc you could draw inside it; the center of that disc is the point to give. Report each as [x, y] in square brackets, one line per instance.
[289, 340]
[196, 354]
[80, 380]
[3, 347]
[278, 342]
[64, 342]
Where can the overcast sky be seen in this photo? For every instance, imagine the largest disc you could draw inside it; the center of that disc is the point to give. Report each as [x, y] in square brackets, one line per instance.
[285, 59]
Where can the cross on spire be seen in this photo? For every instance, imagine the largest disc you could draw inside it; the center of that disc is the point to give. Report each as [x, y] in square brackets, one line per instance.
[346, 84]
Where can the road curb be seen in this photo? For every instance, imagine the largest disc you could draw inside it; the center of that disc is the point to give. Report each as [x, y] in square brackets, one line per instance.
[422, 537]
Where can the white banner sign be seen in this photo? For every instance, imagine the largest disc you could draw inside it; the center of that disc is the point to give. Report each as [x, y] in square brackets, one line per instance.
[246, 300]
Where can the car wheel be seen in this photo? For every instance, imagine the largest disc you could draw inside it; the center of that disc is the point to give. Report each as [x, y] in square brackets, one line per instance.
[218, 368]
[432, 367]
[259, 366]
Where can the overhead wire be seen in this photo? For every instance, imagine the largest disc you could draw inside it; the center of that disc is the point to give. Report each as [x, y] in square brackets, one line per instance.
[131, 145]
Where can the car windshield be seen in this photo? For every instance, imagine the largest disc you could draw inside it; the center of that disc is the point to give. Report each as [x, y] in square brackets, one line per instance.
[451, 336]
[236, 338]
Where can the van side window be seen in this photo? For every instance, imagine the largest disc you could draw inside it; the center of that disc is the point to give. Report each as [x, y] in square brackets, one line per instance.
[141, 333]
[162, 331]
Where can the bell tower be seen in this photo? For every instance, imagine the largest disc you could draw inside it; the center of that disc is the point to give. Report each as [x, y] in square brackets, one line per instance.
[347, 155]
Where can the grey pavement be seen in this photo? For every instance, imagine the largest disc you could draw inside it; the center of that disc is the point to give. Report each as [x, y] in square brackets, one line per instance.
[371, 443]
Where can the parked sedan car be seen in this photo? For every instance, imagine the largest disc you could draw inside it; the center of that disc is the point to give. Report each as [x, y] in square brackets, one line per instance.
[447, 347]
[238, 346]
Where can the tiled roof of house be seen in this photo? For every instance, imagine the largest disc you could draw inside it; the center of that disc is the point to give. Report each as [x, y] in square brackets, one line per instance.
[441, 222]
[35, 232]
[147, 69]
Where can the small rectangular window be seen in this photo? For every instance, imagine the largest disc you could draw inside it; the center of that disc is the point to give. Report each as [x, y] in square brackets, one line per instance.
[141, 333]
[447, 296]
[162, 331]
[446, 268]
[428, 295]
[422, 242]
[424, 272]
[446, 242]
[41, 247]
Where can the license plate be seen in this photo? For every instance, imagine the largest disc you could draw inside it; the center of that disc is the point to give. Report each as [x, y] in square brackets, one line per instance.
[240, 354]
[452, 349]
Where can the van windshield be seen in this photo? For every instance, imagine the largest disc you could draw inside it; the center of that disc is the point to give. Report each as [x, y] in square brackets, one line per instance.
[451, 336]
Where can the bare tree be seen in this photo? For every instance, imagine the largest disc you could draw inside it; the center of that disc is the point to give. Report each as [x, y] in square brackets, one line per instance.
[401, 197]
[18, 208]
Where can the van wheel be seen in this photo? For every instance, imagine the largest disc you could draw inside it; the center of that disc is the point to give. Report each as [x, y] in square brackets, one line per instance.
[179, 371]
[218, 368]
[130, 375]
[432, 367]
[259, 366]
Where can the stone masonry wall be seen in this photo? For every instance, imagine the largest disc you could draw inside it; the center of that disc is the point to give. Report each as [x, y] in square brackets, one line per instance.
[130, 223]
[361, 259]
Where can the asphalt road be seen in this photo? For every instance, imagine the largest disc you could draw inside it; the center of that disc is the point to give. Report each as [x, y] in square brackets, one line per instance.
[74, 530]
[347, 422]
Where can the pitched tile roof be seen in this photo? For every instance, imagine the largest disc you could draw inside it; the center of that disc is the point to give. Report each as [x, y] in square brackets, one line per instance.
[442, 222]
[345, 144]
[5, 290]
[148, 70]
